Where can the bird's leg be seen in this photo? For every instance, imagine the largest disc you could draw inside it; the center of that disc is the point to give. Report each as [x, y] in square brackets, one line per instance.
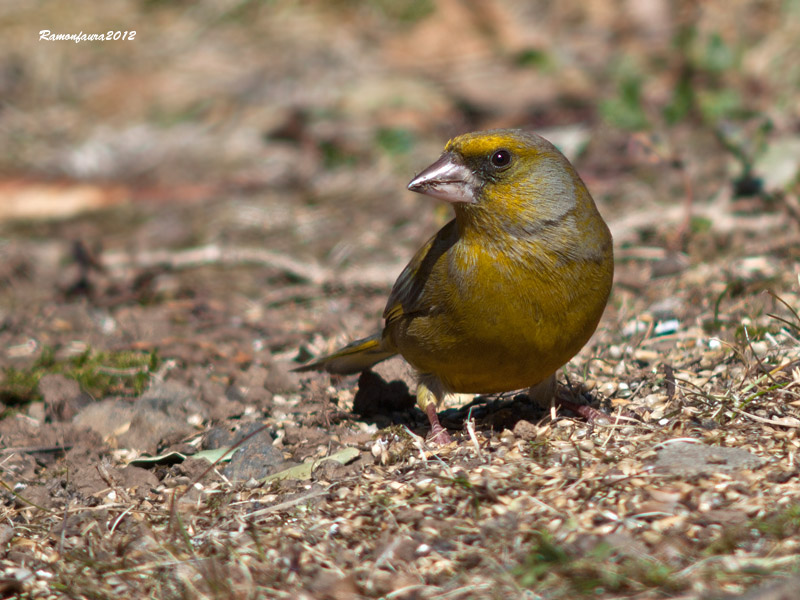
[428, 401]
[544, 393]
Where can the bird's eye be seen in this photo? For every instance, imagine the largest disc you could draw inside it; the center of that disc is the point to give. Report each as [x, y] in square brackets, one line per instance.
[501, 158]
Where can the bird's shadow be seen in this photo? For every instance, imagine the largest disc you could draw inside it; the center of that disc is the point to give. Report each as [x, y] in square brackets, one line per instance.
[387, 403]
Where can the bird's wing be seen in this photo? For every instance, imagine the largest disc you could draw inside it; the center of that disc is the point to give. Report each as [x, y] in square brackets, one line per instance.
[407, 297]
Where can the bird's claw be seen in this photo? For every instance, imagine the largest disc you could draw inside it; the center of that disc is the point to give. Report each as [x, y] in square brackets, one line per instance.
[438, 434]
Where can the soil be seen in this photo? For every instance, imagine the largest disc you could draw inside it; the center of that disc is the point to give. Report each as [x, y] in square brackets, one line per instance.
[168, 257]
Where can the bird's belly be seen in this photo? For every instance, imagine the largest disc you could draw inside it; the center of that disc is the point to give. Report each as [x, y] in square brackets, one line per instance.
[500, 327]
[493, 346]
[486, 364]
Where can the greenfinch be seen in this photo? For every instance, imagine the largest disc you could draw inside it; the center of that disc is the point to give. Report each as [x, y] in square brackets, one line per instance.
[505, 293]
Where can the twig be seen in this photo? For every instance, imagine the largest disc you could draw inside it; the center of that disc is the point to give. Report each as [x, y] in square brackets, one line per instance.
[35, 449]
[613, 428]
[288, 503]
[422, 448]
[215, 254]
[306, 271]
[471, 432]
[686, 440]
[782, 422]
[418, 443]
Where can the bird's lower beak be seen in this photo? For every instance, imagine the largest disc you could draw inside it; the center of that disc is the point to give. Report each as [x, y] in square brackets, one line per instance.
[446, 179]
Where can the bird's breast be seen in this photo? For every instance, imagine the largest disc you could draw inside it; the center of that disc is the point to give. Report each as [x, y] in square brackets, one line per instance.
[501, 318]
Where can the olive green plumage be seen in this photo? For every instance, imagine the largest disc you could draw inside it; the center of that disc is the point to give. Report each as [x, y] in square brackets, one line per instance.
[509, 290]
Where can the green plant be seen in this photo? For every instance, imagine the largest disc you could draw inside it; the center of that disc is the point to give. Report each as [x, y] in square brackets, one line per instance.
[98, 373]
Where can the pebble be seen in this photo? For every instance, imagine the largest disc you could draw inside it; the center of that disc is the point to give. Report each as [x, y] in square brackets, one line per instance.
[378, 448]
[423, 550]
[525, 430]
[652, 399]
[507, 437]
[609, 388]
[667, 327]
[647, 356]
[666, 308]
[633, 327]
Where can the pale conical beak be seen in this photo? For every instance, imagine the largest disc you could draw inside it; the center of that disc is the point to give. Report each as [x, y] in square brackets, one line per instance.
[446, 179]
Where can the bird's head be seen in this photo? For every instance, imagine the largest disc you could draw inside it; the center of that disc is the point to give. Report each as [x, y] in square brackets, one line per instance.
[510, 174]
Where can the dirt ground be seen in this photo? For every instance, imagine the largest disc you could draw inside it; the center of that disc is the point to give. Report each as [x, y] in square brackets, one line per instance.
[188, 215]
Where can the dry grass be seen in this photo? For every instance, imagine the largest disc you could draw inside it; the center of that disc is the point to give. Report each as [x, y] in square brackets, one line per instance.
[254, 209]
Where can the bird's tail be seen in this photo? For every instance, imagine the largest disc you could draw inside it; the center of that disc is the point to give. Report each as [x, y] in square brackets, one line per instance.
[355, 357]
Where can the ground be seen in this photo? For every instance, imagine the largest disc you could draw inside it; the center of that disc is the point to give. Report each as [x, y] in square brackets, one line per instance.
[187, 216]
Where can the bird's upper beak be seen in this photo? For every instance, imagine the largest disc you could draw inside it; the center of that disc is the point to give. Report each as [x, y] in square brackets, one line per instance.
[447, 179]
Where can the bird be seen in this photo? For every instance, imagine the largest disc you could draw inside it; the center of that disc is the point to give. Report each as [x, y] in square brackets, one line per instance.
[505, 293]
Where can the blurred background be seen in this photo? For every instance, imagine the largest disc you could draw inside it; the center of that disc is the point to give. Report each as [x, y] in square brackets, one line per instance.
[293, 127]
[187, 214]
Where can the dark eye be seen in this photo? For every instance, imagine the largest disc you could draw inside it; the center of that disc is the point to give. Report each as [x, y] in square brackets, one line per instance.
[501, 158]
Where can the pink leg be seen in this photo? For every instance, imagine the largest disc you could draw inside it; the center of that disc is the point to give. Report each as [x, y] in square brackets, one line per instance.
[592, 415]
[545, 392]
[438, 433]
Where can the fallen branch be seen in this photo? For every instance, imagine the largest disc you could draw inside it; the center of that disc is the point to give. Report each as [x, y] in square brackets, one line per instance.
[306, 271]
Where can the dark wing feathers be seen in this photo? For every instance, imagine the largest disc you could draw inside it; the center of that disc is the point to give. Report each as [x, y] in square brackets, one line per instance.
[407, 298]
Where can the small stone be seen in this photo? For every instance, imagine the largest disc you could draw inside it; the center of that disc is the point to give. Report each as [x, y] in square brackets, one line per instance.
[690, 459]
[609, 388]
[667, 308]
[652, 400]
[378, 448]
[646, 356]
[667, 327]
[507, 437]
[525, 430]
[634, 327]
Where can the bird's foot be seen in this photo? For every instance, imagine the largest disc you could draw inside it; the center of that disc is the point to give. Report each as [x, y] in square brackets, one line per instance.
[547, 392]
[438, 434]
[592, 415]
